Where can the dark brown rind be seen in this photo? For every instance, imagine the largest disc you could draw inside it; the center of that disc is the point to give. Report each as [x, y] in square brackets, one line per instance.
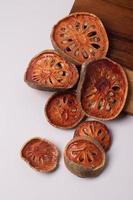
[82, 115]
[65, 55]
[128, 108]
[78, 169]
[84, 69]
[39, 169]
[35, 85]
[96, 130]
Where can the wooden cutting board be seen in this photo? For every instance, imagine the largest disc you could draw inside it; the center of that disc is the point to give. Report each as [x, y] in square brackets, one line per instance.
[117, 17]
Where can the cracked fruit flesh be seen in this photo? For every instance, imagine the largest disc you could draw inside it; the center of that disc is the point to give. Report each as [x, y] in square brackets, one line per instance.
[96, 130]
[104, 89]
[84, 156]
[80, 37]
[40, 154]
[48, 70]
[63, 110]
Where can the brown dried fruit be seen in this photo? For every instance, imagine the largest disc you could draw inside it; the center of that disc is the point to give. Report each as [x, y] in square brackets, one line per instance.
[40, 154]
[96, 130]
[63, 110]
[49, 71]
[80, 37]
[103, 89]
[84, 156]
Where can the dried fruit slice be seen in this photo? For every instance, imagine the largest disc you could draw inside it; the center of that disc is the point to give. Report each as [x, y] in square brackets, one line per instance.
[104, 89]
[63, 110]
[84, 156]
[96, 130]
[80, 37]
[40, 154]
[48, 70]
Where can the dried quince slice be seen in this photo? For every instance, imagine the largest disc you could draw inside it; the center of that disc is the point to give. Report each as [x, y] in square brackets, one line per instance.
[104, 89]
[96, 130]
[40, 154]
[80, 37]
[48, 70]
[84, 157]
[63, 110]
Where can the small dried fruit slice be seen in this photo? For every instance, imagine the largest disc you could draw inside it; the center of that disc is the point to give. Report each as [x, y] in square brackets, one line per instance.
[96, 130]
[63, 110]
[84, 156]
[104, 89]
[48, 70]
[80, 37]
[40, 154]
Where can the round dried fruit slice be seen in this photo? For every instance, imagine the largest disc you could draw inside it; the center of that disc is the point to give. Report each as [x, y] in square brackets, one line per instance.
[79, 37]
[84, 157]
[96, 130]
[104, 89]
[63, 110]
[49, 71]
[40, 154]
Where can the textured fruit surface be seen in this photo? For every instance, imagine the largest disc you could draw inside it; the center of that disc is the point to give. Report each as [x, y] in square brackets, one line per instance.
[80, 37]
[104, 89]
[84, 153]
[50, 70]
[96, 130]
[63, 110]
[40, 154]
[84, 156]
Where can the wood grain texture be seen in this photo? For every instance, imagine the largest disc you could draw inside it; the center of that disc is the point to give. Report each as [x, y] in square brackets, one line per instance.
[124, 3]
[117, 17]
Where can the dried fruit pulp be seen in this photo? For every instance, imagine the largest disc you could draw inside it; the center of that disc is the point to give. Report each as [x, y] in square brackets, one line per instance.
[50, 70]
[84, 156]
[63, 110]
[96, 130]
[40, 154]
[104, 89]
[80, 37]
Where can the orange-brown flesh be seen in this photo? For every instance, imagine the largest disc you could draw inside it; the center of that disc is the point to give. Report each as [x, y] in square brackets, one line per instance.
[80, 36]
[96, 130]
[84, 153]
[40, 154]
[63, 110]
[104, 89]
[50, 70]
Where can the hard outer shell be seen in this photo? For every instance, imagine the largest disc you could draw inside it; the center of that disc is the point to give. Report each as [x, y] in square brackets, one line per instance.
[102, 89]
[40, 154]
[63, 110]
[96, 130]
[84, 157]
[80, 37]
[49, 71]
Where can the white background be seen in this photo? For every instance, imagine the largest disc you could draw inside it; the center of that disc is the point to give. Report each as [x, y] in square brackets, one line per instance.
[25, 26]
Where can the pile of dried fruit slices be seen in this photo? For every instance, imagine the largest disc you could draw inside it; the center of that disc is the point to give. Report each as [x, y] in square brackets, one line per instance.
[87, 84]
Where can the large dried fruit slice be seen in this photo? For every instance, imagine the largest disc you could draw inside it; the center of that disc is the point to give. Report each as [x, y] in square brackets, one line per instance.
[96, 130]
[104, 89]
[79, 37]
[48, 70]
[40, 154]
[84, 156]
[63, 110]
